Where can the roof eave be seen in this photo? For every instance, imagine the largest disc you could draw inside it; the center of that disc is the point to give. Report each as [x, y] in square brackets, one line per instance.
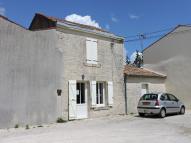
[145, 76]
[98, 33]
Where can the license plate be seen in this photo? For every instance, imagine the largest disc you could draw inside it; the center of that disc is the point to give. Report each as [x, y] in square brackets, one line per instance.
[146, 103]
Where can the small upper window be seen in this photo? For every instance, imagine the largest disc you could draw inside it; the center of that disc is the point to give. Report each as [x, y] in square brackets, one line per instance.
[91, 51]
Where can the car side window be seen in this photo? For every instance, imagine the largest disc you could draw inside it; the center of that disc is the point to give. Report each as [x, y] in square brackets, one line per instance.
[164, 97]
[172, 97]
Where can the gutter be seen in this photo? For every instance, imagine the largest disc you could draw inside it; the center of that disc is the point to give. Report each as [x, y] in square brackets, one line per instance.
[103, 34]
[125, 92]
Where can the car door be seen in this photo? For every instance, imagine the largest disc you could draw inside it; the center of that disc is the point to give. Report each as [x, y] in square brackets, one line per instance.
[165, 101]
[174, 103]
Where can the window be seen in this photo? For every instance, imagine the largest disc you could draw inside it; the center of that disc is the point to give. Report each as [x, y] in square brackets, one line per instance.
[172, 97]
[80, 97]
[164, 97]
[100, 93]
[149, 97]
[91, 51]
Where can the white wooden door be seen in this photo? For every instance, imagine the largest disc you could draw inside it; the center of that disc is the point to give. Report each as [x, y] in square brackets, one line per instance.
[81, 100]
[72, 99]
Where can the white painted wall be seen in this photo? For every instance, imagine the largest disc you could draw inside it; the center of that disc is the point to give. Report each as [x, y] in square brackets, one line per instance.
[172, 56]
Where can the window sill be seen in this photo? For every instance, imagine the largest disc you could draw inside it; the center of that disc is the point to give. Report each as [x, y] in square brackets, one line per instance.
[101, 108]
[93, 65]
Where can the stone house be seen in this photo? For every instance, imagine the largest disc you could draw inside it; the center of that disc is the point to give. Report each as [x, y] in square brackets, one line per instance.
[170, 55]
[139, 81]
[92, 68]
[58, 68]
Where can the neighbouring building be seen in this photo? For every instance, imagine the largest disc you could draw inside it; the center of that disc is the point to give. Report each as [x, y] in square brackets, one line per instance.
[57, 69]
[171, 55]
[139, 81]
[30, 74]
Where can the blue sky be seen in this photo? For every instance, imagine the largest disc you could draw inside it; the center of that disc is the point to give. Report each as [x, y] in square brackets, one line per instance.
[122, 17]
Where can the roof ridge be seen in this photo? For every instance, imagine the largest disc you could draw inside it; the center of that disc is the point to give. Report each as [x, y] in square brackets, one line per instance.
[7, 19]
[70, 22]
[171, 31]
[153, 71]
[135, 71]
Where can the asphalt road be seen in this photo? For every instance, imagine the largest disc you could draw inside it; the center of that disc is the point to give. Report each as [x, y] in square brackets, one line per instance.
[115, 129]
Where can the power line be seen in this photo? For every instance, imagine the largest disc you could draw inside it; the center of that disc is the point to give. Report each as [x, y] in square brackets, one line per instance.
[147, 37]
[149, 33]
[155, 36]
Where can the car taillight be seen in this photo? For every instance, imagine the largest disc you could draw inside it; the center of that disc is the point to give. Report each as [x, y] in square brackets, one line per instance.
[157, 103]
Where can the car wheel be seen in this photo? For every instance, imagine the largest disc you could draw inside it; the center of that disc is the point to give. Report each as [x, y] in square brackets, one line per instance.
[141, 114]
[182, 110]
[162, 113]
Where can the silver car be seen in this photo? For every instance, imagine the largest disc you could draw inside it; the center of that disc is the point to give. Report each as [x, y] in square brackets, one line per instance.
[160, 104]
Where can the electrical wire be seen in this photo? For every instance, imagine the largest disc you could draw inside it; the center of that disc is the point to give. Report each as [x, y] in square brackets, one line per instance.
[149, 33]
[155, 36]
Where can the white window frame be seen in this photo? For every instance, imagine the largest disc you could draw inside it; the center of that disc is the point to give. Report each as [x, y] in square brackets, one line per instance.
[104, 85]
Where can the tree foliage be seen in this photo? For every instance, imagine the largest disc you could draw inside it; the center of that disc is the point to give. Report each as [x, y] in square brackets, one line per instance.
[138, 59]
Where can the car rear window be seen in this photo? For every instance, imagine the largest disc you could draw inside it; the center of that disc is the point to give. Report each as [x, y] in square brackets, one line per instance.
[149, 97]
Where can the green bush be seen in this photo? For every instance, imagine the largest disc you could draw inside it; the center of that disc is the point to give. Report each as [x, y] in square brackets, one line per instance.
[27, 127]
[60, 120]
[39, 126]
[17, 126]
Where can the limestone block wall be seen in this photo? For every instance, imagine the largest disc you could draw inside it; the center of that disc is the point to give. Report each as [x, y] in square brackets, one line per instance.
[134, 86]
[110, 67]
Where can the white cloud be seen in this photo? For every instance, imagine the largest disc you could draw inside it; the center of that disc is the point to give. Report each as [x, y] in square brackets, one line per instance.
[133, 56]
[114, 19]
[86, 20]
[2, 10]
[133, 16]
[107, 26]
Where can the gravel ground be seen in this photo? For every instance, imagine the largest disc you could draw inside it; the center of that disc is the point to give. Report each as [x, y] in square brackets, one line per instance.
[113, 129]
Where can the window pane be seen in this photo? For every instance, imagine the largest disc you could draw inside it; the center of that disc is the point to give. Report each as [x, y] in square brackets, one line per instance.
[101, 93]
[162, 98]
[82, 93]
[149, 97]
[78, 94]
[101, 88]
[172, 98]
[101, 99]
[97, 92]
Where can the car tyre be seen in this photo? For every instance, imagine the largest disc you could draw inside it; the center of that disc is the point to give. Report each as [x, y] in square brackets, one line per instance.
[162, 113]
[182, 110]
[141, 114]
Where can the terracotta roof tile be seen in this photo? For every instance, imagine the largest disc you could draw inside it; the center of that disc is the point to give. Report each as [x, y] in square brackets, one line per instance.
[131, 70]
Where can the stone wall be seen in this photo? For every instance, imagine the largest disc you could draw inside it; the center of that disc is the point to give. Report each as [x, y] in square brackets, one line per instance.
[110, 68]
[134, 86]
